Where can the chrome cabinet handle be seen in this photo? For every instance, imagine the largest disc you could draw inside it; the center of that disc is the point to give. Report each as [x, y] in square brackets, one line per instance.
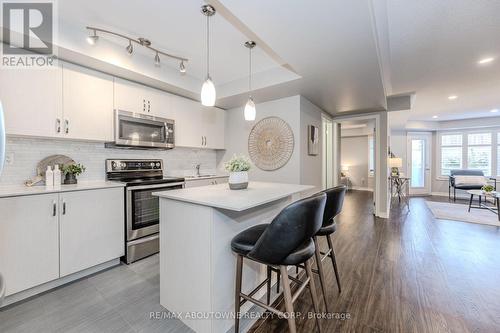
[54, 208]
[66, 125]
[58, 125]
[202, 140]
[64, 208]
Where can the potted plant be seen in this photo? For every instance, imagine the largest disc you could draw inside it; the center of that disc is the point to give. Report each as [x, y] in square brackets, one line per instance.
[71, 171]
[238, 167]
[488, 188]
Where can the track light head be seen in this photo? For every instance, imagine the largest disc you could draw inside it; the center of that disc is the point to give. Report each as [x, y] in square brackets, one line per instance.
[208, 10]
[130, 47]
[182, 67]
[93, 38]
[157, 60]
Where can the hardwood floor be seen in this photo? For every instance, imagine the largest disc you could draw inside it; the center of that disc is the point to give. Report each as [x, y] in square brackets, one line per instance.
[410, 273]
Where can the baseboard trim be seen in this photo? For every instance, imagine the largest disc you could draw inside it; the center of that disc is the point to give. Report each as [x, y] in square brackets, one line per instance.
[22, 295]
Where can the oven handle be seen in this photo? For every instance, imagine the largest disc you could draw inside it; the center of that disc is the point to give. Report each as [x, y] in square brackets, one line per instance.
[133, 188]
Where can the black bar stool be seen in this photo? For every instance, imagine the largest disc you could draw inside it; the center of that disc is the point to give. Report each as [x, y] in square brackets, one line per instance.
[334, 202]
[286, 241]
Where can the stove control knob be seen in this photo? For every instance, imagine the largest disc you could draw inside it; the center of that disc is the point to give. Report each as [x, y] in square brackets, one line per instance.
[158, 165]
[123, 165]
[152, 164]
[113, 165]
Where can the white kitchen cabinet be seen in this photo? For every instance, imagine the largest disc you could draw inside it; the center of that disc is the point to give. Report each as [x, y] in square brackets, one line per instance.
[187, 116]
[91, 228]
[47, 236]
[212, 127]
[205, 181]
[29, 241]
[134, 97]
[87, 104]
[32, 101]
[196, 125]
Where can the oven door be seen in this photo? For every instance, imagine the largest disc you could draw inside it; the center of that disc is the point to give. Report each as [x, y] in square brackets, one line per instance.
[141, 130]
[143, 209]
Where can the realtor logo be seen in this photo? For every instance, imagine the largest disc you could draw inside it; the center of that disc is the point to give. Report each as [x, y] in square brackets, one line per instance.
[28, 33]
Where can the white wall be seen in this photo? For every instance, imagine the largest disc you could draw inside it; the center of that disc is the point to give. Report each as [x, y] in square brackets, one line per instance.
[355, 155]
[298, 112]
[310, 166]
[24, 154]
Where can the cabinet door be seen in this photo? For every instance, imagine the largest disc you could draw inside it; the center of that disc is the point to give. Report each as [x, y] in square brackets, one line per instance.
[91, 228]
[187, 114]
[32, 101]
[87, 104]
[213, 127]
[129, 96]
[29, 241]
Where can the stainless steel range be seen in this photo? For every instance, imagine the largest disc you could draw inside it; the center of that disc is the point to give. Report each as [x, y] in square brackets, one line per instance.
[142, 215]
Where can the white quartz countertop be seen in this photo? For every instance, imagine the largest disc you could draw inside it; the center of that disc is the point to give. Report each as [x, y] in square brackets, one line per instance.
[20, 190]
[220, 196]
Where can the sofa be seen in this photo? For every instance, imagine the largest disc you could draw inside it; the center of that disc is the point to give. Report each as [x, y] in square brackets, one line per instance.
[477, 177]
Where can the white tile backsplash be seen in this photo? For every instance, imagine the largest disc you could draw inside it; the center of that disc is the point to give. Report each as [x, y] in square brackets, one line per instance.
[23, 154]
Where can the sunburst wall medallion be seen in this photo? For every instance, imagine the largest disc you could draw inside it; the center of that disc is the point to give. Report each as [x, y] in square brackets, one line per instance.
[270, 143]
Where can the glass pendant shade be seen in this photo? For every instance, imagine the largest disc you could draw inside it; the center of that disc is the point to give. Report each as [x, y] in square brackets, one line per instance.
[208, 95]
[250, 110]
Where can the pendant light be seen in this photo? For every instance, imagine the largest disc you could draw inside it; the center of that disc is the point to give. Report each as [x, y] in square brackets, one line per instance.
[208, 94]
[250, 106]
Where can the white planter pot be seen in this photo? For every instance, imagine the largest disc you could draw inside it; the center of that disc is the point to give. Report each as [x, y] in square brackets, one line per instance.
[238, 180]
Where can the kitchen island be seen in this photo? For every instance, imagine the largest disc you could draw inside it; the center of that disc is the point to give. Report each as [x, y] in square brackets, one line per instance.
[197, 266]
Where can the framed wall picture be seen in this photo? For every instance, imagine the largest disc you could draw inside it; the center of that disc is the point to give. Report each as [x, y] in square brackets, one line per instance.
[312, 140]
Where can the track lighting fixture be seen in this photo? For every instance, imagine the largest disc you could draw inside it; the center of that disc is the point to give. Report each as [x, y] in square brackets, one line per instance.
[250, 106]
[93, 38]
[208, 93]
[157, 60]
[130, 48]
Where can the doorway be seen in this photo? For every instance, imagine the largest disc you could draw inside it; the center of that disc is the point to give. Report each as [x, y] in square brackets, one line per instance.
[419, 162]
[327, 177]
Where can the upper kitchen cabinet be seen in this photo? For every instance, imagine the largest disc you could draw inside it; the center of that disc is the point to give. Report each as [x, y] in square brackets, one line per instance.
[212, 127]
[186, 114]
[134, 97]
[32, 101]
[197, 126]
[87, 104]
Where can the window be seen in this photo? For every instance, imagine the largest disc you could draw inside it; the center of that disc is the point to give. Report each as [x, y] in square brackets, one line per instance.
[498, 154]
[472, 149]
[371, 156]
[479, 152]
[451, 153]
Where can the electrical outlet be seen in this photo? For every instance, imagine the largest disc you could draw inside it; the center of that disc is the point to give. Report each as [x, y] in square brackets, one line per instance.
[9, 158]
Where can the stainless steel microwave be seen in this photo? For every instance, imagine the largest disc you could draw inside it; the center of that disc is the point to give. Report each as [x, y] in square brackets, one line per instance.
[137, 130]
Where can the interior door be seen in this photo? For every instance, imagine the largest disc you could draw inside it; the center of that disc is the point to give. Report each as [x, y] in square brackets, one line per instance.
[419, 163]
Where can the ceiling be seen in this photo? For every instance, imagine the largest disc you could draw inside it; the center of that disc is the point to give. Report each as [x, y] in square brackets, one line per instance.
[434, 50]
[342, 56]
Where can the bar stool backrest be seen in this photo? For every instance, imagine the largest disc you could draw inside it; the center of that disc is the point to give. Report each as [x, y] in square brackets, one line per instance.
[293, 226]
[334, 202]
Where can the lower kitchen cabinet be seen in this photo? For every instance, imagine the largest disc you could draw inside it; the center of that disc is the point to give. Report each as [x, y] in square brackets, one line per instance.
[29, 241]
[48, 236]
[91, 228]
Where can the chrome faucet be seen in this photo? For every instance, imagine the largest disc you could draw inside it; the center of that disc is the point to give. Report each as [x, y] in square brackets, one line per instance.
[197, 166]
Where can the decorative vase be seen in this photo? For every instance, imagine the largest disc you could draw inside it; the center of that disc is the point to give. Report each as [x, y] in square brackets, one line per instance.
[70, 179]
[238, 180]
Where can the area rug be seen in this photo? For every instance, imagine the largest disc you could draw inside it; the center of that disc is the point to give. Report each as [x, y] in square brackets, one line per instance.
[458, 212]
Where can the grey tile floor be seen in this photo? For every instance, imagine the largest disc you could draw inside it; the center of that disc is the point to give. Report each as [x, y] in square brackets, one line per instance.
[117, 300]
